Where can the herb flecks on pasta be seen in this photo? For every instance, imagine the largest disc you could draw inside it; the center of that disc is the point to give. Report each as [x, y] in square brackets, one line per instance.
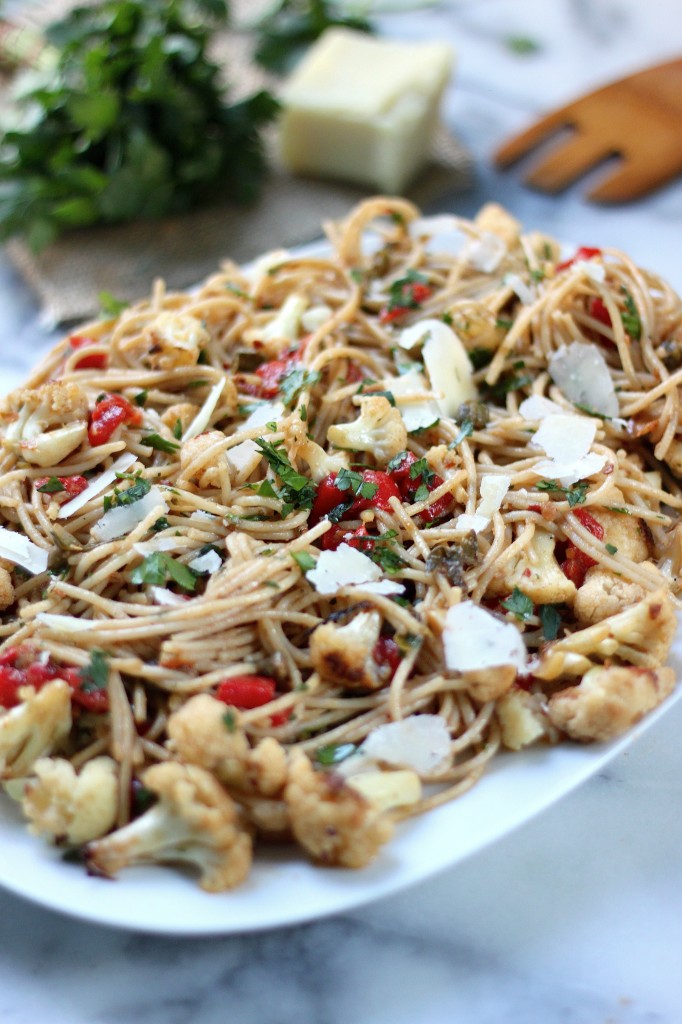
[295, 554]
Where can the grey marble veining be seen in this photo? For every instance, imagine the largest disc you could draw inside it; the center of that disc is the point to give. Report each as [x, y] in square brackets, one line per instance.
[575, 917]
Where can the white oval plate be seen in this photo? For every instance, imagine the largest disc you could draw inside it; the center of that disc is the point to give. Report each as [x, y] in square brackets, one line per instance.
[283, 889]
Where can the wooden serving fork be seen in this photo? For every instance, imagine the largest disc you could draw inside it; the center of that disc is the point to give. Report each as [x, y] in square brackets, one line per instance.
[638, 118]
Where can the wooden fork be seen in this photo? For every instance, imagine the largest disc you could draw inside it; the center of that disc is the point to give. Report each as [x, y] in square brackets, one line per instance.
[638, 118]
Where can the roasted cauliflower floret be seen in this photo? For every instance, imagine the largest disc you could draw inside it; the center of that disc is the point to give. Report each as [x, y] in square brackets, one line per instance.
[283, 329]
[536, 572]
[205, 474]
[332, 821]
[379, 429]
[641, 636]
[604, 593]
[69, 806]
[182, 413]
[626, 533]
[45, 424]
[6, 589]
[173, 339]
[489, 683]
[321, 463]
[34, 728]
[494, 218]
[194, 821]
[343, 654]
[206, 733]
[609, 700]
[522, 718]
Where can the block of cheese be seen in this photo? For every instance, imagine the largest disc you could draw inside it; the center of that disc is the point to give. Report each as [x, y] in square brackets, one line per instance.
[362, 109]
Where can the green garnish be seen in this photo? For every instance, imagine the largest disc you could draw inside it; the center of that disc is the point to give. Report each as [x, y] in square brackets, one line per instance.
[550, 619]
[574, 495]
[519, 604]
[110, 306]
[401, 294]
[95, 675]
[296, 381]
[611, 548]
[465, 430]
[159, 567]
[51, 486]
[348, 479]
[297, 490]
[521, 45]
[631, 318]
[304, 560]
[160, 444]
[333, 753]
[141, 398]
[128, 497]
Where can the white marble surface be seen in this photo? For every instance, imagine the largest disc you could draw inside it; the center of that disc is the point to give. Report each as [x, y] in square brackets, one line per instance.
[573, 919]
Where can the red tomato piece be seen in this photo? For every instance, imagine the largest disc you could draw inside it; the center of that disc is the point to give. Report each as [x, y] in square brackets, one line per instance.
[246, 692]
[409, 485]
[587, 520]
[329, 496]
[93, 361]
[359, 538]
[109, 414]
[585, 252]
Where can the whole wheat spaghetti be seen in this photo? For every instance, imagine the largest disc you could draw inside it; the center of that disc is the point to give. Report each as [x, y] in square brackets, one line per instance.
[293, 555]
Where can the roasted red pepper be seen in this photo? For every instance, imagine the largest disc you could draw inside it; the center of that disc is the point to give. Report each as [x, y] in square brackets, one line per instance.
[598, 311]
[329, 496]
[109, 414]
[71, 486]
[577, 563]
[17, 670]
[359, 538]
[91, 361]
[272, 372]
[387, 655]
[246, 692]
[409, 483]
[412, 295]
[585, 252]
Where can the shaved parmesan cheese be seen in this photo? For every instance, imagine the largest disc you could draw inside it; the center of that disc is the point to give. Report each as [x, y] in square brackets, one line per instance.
[21, 551]
[416, 415]
[595, 271]
[314, 317]
[97, 485]
[564, 437]
[524, 292]
[485, 253]
[567, 440]
[348, 567]
[287, 323]
[65, 623]
[442, 233]
[165, 597]
[537, 408]
[386, 790]
[493, 491]
[203, 417]
[209, 562]
[581, 372]
[474, 638]
[241, 455]
[147, 547]
[448, 366]
[123, 518]
[420, 742]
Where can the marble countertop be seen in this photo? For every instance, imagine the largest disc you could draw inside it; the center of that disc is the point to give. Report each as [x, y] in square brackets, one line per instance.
[572, 919]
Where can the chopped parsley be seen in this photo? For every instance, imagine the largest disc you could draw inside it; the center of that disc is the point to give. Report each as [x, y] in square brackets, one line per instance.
[465, 430]
[304, 560]
[159, 567]
[51, 486]
[631, 318]
[574, 495]
[95, 675]
[611, 548]
[297, 490]
[160, 444]
[519, 604]
[110, 306]
[348, 479]
[141, 398]
[550, 619]
[294, 382]
[402, 293]
[160, 524]
[134, 493]
[333, 753]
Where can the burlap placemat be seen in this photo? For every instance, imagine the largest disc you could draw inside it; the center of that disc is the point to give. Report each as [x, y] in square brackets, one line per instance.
[69, 275]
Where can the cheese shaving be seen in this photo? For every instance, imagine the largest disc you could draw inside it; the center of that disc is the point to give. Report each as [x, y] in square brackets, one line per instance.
[97, 485]
[474, 638]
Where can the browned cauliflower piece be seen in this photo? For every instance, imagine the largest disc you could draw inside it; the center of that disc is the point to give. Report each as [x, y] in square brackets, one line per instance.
[609, 700]
[205, 732]
[489, 683]
[70, 806]
[194, 821]
[6, 590]
[174, 339]
[45, 424]
[536, 572]
[343, 654]
[522, 718]
[604, 593]
[626, 533]
[182, 412]
[333, 822]
[641, 635]
[34, 728]
[379, 429]
[208, 473]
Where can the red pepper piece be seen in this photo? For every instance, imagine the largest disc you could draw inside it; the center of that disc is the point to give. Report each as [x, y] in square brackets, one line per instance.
[271, 374]
[598, 311]
[246, 692]
[413, 293]
[359, 538]
[72, 485]
[535, 508]
[93, 361]
[108, 415]
[387, 655]
[577, 562]
[585, 252]
[409, 485]
[329, 496]
[10, 680]
[37, 674]
[587, 520]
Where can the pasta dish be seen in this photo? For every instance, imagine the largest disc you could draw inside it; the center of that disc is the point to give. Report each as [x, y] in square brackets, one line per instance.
[294, 555]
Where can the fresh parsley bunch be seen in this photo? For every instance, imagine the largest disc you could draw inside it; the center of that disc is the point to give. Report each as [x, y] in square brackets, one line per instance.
[132, 122]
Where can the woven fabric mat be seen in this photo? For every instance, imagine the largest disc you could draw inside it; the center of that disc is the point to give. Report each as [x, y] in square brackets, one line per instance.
[124, 260]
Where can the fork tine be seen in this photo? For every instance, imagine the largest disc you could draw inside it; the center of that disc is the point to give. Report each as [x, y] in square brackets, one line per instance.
[568, 162]
[636, 179]
[515, 148]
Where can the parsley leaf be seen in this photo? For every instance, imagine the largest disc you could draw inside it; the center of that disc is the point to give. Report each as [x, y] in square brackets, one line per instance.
[51, 486]
[134, 493]
[95, 675]
[304, 560]
[333, 753]
[574, 495]
[110, 306]
[297, 491]
[519, 604]
[294, 382]
[158, 568]
[160, 444]
[611, 548]
[550, 619]
[631, 318]
[466, 430]
[401, 294]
